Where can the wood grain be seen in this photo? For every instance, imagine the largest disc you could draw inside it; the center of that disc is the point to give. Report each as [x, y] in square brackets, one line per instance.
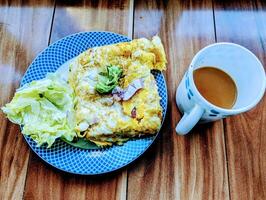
[114, 16]
[44, 182]
[21, 28]
[177, 167]
[243, 22]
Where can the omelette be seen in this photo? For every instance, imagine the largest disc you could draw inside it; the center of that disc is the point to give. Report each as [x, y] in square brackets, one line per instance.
[116, 96]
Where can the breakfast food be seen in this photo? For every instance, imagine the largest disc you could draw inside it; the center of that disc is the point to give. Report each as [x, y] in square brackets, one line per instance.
[116, 96]
[108, 97]
[45, 109]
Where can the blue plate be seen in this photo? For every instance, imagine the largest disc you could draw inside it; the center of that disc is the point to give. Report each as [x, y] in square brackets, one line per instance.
[75, 160]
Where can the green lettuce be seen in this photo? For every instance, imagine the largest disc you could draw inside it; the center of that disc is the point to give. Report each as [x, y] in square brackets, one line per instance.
[108, 80]
[45, 109]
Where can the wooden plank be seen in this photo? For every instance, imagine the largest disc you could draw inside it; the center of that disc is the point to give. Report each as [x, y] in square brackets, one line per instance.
[21, 27]
[179, 167]
[44, 181]
[243, 22]
[114, 16]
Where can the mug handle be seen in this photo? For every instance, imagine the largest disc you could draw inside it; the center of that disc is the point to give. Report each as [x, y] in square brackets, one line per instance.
[189, 120]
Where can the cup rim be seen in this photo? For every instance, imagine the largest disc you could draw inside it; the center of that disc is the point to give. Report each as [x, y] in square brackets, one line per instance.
[232, 110]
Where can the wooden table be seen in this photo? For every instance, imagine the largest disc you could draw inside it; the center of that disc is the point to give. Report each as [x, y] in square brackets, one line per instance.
[221, 160]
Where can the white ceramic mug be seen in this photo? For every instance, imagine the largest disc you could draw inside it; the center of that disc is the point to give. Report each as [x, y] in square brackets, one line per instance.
[244, 68]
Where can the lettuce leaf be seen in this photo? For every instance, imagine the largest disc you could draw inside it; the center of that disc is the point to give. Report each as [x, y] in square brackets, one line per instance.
[45, 109]
[108, 80]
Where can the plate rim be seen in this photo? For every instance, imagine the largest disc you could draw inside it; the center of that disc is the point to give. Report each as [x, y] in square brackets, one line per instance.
[111, 170]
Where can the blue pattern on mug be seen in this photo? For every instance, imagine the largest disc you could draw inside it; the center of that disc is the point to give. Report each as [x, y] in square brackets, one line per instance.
[187, 83]
[190, 92]
[215, 112]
